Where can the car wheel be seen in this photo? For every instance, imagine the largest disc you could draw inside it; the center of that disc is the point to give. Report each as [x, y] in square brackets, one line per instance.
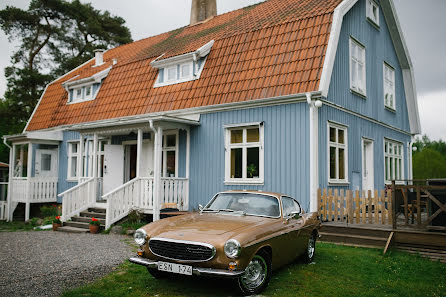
[157, 274]
[311, 249]
[257, 274]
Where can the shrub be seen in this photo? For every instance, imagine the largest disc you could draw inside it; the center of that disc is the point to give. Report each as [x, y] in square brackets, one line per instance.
[49, 211]
[95, 221]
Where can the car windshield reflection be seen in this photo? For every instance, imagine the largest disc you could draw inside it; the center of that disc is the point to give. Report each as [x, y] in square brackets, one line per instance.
[245, 204]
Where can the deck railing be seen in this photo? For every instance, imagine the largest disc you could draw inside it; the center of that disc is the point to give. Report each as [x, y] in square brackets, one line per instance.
[139, 194]
[355, 207]
[78, 199]
[34, 190]
[3, 210]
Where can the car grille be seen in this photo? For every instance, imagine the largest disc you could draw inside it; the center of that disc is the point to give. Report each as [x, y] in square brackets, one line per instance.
[181, 250]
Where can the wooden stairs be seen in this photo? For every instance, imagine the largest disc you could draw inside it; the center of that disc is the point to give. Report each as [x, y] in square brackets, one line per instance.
[431, 245]
[79, 224]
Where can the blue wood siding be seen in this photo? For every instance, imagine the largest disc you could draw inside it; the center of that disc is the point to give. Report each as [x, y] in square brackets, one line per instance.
[63, 184]
[286, 152]
[357, 128]
[379, 49]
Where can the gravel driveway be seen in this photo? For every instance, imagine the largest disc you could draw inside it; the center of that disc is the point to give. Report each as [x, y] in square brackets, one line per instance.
[46, 263]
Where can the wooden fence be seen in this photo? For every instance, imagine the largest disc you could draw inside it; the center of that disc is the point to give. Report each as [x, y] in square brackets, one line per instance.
[355, 207]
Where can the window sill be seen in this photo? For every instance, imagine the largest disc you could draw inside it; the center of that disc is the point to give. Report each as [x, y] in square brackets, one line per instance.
[388, 108]
[373, 23]
[258, 182]
[338, 183]
[398, 182]
[363, 96]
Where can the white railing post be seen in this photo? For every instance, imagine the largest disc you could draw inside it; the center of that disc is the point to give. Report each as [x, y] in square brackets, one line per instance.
[95, 164]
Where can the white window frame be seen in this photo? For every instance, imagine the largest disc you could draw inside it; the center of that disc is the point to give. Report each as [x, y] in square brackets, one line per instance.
[389, 85]
[244, 146]
[166, 73]
[397, 172]
[88, 97]
[356, 85]
[191, 71]
[71, 155]
[369, 12]
[76, 97]
[338, 146]
[170, 149]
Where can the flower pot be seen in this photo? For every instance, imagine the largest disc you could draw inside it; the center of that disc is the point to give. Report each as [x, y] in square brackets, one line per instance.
[55, 226]
[93, 228]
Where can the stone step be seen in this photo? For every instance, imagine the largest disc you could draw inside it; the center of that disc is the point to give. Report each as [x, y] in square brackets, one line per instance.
[97, 210]
[78, 224]
[86, 220]
[72, 229]
[92, 215]
[353, 239]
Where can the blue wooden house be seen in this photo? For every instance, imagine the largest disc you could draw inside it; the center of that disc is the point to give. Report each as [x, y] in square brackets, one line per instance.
[286, 96]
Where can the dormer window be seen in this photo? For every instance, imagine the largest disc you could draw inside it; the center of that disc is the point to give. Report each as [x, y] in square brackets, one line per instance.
[372, 12]
[182, 68]
[84, 89]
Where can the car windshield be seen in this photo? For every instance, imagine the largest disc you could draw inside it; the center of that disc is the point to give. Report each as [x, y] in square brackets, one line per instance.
[245, 203]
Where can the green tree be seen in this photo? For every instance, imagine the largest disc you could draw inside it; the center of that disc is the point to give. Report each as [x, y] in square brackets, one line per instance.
[429, 163]
[55, 36]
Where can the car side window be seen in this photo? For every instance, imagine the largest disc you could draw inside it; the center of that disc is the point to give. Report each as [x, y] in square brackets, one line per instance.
[289, 205]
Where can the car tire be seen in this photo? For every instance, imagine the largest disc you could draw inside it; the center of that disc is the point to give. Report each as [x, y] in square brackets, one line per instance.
[157, 274]
[310, 251]
[257, 275]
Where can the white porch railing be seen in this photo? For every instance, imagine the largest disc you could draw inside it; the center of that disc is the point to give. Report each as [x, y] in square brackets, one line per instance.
[139, 193]
[34, 190]
[3, 210]
[78, 199]
[175, 190]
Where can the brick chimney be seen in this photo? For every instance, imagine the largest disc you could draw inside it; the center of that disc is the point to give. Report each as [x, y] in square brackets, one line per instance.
[202, 10]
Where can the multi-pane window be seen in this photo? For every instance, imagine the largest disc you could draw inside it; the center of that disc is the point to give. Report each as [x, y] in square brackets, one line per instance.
[372, 11]
[357, 67]
[337, 147]
[244, 154]
[186, 71]
[169, 157]
[73, 155]
[393, 160]
[172, 73]
[389, 86]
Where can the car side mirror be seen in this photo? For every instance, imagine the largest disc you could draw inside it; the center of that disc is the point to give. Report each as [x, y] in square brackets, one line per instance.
[200, 207]
[293, 215]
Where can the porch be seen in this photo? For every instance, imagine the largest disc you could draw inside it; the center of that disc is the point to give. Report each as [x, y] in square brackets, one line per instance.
[126, 167]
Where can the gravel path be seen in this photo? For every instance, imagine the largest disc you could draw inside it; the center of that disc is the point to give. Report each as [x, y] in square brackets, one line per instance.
[47, 263]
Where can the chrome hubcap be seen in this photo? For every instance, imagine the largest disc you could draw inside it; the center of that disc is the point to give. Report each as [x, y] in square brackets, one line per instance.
[311, 244]
[255, 273]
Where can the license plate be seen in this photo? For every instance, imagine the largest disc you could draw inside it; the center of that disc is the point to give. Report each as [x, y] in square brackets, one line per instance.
[175, 268]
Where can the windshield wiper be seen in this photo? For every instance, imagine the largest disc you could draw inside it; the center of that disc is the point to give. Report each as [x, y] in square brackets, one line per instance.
[231, 210]
[209, 209]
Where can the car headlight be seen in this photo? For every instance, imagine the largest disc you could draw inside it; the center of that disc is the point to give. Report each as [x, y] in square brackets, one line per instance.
[140, 236]
[232, 248]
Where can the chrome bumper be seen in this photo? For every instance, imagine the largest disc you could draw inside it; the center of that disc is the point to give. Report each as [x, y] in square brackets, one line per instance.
[195, 270]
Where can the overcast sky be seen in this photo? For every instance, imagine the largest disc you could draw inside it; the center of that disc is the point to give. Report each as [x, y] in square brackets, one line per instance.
[423, 24]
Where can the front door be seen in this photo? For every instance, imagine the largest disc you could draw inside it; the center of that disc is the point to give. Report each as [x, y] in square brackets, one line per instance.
[367, 165]
[46, 163]
[113, 167]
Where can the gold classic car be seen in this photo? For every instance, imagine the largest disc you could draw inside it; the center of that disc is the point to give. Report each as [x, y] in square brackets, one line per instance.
[242, 235]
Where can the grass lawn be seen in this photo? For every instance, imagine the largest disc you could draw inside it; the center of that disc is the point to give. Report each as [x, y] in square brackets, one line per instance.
[337, 271]
[15, 226]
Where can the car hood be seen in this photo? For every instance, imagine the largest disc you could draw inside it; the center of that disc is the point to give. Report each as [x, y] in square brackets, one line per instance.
[197, 227]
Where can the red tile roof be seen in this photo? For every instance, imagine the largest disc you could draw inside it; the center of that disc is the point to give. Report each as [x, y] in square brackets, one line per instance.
[266, 50]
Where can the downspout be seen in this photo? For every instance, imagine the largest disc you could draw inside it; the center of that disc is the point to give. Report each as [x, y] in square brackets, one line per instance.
[11, 165]
[410, 162]
[314, 106]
